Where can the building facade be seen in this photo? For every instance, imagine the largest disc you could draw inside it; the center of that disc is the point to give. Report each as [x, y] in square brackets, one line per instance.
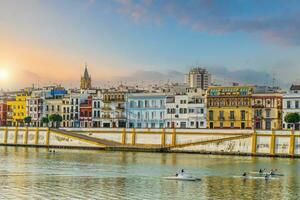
[291, 104]
[97, 104]
[3, 113]
[185, 111]
[146, 110]
[113, 110]
[86, 113]
[34, 108]
[52, 106]
[229, 107]
[198, 78]
[267, 110]
[16, 108]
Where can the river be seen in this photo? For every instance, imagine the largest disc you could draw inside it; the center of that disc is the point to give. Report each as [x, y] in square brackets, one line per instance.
[29, 173]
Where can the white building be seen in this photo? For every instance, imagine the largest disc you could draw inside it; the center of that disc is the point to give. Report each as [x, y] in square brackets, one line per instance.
[198, 78]
[66, 108]
[75, 100]
[186, 111]
[291, 104]
[96, 111]
[34, 108]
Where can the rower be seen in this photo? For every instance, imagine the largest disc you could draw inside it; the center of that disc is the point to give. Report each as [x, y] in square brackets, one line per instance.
[244, 174]
[260, 171]
[267, 176]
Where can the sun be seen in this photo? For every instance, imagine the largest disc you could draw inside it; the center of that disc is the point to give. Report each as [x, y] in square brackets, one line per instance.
[4, 75]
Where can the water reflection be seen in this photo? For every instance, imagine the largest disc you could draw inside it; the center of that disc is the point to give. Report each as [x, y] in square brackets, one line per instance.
[27, 173]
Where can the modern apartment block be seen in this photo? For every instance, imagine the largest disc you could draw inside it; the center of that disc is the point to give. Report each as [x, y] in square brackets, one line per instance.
[198, 78]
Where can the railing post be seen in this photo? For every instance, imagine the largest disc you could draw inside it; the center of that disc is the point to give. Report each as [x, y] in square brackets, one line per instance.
[36, 137]
[292, 143]
[254, 139]
[163, 137]
[273, 140]
[16, 135]
[25, 137]
[124, 136]
[47, 136]
[133, 136]
[5, 135]
[173, 137]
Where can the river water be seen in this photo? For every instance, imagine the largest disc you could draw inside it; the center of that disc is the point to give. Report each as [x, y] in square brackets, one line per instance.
[28, 173]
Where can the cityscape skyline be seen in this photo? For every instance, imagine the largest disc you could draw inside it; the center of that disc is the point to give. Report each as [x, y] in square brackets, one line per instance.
[136, 41]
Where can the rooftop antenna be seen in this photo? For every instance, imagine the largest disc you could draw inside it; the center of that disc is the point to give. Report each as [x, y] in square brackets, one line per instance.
[273, 79]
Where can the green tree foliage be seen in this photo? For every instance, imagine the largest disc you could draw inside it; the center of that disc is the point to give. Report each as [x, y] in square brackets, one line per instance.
[292, 118]
[45, 120]
[27, 120]
[56, 119]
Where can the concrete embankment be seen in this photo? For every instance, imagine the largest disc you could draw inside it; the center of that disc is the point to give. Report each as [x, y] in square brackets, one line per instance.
[206, 141]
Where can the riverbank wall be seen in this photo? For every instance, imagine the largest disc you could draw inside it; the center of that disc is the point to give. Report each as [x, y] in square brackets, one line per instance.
[222, 141]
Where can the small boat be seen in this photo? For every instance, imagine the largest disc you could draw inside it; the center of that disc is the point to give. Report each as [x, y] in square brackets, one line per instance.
[182, 177]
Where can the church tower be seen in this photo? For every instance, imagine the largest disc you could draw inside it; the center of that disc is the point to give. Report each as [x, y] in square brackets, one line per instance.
[85, 81]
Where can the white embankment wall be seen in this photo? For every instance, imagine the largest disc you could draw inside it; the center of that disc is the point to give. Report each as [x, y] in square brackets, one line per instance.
[263, 142]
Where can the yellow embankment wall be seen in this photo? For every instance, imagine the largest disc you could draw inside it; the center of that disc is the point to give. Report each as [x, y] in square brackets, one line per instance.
[285, 143]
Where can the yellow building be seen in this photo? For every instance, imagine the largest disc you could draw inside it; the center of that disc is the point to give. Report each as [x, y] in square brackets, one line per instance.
[229, 107]
[17, 110]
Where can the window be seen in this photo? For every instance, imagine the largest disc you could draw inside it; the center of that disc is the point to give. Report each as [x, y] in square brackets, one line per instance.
[131, 104]
[296, 104]
[182, 124]
[153, 115]
[192, 123]
[231, 124]
[258, 113]
[288, 104]
[231, 115]
[140, 104]
[221, 115]
[211, 115]
[268, 113]
[243, 115]
[162, 102]
[146, 103]
[221, 124]
[161, 115]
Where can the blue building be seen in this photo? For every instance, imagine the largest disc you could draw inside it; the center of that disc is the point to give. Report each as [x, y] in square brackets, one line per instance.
[146, 110]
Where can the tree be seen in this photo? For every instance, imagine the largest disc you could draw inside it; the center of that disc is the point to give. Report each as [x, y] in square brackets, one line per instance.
[56, 119]
[292, 118]
[27, 120]
[44, 120]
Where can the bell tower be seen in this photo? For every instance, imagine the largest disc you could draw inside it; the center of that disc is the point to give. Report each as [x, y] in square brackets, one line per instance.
[86, 80]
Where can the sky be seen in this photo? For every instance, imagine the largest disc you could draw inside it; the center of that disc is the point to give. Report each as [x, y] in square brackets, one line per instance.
[46, 42]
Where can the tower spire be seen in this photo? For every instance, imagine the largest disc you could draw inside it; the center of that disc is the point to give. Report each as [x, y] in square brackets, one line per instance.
[85, 82]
